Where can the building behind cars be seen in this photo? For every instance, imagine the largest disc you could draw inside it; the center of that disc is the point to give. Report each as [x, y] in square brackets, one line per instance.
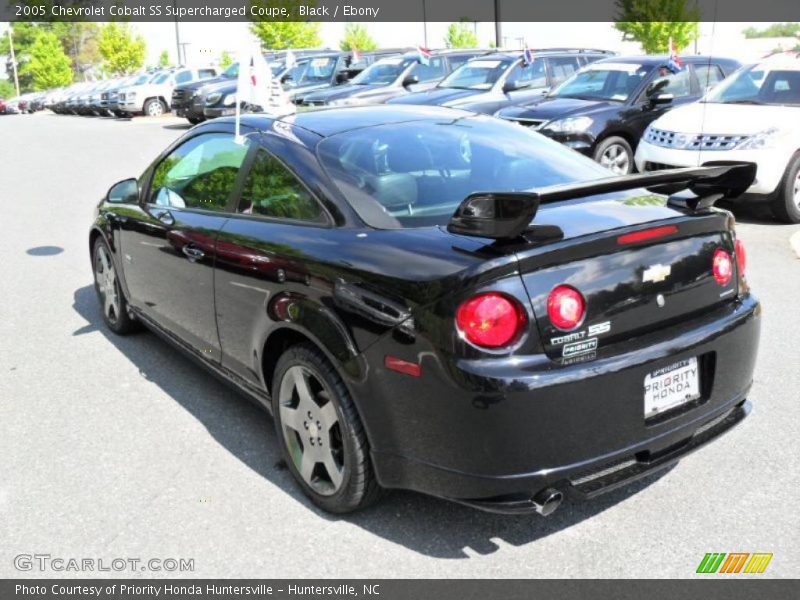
[603, 110]
[491, 81]
[391, 77]
[753, 116]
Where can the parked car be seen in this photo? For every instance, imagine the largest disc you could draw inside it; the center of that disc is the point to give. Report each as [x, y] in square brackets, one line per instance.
[603, 110]
[490, 82]
[753, 116]
[307, 75]
[188, 99]
[2, 106]
[377, 279]
[152, 97]
[391, 77]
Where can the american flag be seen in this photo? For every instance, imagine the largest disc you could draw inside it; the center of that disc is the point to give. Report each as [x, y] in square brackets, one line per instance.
[527, 56]
[424, 55]
[674, 63]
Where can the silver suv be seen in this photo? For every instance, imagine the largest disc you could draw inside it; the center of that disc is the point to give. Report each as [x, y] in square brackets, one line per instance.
[152, 97]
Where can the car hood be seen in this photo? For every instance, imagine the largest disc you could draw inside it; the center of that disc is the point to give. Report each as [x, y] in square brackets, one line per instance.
[196, 85]
[345, 91]
[228, 86]
[440, 96]
[554, 108]
[728, 118]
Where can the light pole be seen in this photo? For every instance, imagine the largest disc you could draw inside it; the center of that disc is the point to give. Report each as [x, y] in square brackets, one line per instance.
[177, 34]
[424, 25]
[13, 57]
[498, 29]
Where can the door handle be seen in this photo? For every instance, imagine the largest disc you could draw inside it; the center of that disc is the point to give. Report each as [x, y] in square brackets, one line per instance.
[193, 253]
[165, 217]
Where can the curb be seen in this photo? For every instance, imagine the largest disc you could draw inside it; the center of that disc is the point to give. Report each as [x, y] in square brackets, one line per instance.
[794, 242]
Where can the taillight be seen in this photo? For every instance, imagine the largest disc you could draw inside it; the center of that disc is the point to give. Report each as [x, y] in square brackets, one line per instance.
[741, 257]
[565, 307]
[490, 320]
[722, 267]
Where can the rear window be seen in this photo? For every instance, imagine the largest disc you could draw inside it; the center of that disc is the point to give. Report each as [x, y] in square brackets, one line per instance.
[416, 174]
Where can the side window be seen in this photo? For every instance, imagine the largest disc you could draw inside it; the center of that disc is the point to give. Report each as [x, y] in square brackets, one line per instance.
[708, 75]
[562, 67]
[198, 174]
[206, 73]
[433, 70]
[532, 75]
[678, 84]
[183, 77]
[272, 191]
[457, 61]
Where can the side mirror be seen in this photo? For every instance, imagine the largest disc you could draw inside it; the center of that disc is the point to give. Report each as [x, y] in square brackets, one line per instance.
[342, 76]
[511, 86]
[410, 80]
[124, 192]
[657, 99]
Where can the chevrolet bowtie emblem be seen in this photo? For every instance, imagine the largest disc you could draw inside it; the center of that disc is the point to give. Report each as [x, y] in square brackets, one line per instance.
[656, 273]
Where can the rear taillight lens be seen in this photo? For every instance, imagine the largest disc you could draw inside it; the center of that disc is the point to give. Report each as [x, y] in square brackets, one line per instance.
[722, 267]
[741, 257]
[565, 307]
[490, 320]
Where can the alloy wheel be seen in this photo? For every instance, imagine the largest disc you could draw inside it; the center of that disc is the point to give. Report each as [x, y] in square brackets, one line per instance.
[155, 109]
[106, 278]
[796, 190]
[311, 430]
[615, 158]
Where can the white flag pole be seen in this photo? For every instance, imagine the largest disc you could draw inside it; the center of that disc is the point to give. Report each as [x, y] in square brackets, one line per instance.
[237, 137]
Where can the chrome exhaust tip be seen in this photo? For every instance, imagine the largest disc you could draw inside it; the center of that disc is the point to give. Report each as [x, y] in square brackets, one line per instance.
[547, 501]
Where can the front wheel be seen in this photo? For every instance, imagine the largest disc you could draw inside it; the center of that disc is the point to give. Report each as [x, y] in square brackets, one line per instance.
[154, 107]
[321, 436]
[615, 154]
[786, 205]
[109, 293]
[195, 120]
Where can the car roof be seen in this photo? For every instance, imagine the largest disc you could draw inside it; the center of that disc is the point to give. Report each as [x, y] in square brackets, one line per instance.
[331, 121]
[658, 59]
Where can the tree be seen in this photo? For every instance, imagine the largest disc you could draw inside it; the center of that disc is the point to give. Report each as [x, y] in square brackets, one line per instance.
[773, 31]
[48, 65]
[356, 36]
[80, 44]
[7, 89]
[121, 50]
[652, 24]
[279, 35]
[225, 59]
[163, 59]
[24, 35]
[459, 35]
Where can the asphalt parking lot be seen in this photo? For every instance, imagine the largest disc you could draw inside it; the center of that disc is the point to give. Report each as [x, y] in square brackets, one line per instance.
[121, 448]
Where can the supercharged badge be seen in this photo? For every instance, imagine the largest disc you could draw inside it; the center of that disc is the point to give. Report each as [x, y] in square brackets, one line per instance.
[578, 348]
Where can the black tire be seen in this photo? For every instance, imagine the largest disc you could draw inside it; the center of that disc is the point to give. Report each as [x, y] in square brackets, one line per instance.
[786, 205]
[115, 314]
[622, 164]
[195, 120]
[347, 440]
[154, 108]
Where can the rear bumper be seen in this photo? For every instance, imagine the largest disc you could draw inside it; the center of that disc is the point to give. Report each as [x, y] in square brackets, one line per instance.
[493, 435]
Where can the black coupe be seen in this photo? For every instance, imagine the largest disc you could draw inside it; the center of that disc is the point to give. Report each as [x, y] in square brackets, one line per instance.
[435, 300]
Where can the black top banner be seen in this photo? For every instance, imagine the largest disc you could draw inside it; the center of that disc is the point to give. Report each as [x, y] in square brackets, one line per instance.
[395, 10]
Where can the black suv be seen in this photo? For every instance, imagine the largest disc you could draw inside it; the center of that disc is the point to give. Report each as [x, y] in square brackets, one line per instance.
[393, 76]
[188, 99]
[603, 110]
[309, 74]
[492, 81]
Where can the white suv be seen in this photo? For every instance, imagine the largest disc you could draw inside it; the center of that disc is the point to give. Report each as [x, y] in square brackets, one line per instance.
[753, 116]
[152, 98]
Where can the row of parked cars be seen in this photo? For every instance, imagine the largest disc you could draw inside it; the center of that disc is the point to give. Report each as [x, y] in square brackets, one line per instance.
[627, 113]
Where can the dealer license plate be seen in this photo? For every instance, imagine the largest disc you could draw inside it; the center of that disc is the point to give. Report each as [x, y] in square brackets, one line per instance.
[671, 386]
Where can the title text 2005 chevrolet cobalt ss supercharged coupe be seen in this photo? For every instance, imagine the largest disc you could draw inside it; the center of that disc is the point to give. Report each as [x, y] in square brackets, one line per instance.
[440, 301]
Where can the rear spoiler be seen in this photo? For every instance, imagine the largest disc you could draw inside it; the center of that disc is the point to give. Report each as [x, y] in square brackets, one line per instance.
[507, 215]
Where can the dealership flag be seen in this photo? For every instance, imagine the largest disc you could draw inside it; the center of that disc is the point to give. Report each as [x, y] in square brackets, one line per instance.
[355, 57]
[674, 64]
[527, 56]
[290, 61]
[256, 87]
[424, 55]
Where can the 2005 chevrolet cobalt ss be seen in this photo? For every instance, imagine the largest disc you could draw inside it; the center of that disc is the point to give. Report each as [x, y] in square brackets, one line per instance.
[434, 300]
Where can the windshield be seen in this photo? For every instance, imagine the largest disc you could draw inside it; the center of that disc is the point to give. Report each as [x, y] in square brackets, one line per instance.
[416, 175]
[478, 74]
[606, 81]
[161, 78]
[142, 79]
[231, 71]
[759, 84]
[311, 71]
[383, 72]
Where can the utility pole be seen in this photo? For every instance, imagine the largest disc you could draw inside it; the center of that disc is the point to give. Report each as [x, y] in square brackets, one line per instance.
[13, 57]
[177, 35]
